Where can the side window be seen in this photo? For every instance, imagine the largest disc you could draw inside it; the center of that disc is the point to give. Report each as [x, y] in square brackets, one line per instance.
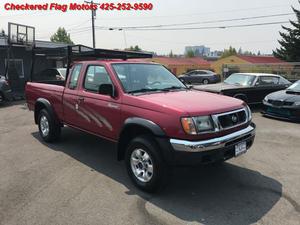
[95, 76]
[269, 80]
[74, 76]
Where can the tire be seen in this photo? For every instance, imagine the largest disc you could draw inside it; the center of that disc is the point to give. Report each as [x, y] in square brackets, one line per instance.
[241, 97]
[141, 155]
[205, 81]
[49, 128]
[2, 99]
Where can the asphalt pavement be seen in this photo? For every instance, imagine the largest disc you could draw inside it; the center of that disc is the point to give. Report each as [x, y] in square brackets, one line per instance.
[79, 181]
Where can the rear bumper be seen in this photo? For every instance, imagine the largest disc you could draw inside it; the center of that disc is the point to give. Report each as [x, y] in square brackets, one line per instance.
[181, 152]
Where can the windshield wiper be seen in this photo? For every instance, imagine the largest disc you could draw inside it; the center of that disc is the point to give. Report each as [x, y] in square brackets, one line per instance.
[173, 88]
[142, 90]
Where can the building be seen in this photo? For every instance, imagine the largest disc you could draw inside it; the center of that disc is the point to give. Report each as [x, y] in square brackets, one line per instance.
[199, 51]
[182, 65]
[242, 63]
[20, 62]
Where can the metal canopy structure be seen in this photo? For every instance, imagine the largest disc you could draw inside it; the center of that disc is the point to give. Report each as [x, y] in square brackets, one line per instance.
[80, 52]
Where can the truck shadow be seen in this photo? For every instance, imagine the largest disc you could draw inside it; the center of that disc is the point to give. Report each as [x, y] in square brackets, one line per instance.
[226, 194]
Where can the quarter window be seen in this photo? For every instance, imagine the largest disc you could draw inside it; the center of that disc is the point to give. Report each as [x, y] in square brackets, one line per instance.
[269, 80]
[96, 76]
[74, 76]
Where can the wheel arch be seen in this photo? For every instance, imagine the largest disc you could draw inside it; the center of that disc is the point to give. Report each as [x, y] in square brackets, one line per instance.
[134, 127]
[241, 96]
[42, 103]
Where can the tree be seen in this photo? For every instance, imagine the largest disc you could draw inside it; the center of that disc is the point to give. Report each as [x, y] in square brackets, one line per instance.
[61, 36]
[249, 53]
[240, 52]
[290, 42]
[2, 33]
[171, 55]
[229, 52]
[190, 54]
[134, 48]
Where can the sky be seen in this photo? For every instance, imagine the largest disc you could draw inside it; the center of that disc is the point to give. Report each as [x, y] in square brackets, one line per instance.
[78, 24]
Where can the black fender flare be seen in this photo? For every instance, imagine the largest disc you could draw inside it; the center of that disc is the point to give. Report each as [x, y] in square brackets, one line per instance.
[42, 103]
[146, 125]
[153, 127]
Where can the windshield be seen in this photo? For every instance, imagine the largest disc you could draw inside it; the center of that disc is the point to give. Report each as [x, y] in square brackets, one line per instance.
[295, 87]
[137, 78]
[240, 79]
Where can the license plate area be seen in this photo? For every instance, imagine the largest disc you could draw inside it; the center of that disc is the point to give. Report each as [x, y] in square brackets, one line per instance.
[240, 148]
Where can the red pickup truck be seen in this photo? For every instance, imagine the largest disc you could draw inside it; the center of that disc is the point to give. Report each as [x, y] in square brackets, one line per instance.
[156, 121]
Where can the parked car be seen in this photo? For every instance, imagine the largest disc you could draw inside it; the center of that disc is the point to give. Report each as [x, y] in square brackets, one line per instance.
[249, 87]
[200, 77]
[284, 104]
[50, 74]
[5, 90]
[155, 120]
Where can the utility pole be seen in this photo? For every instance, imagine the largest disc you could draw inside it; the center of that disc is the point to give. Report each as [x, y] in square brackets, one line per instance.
[93, 26]
[93, 22]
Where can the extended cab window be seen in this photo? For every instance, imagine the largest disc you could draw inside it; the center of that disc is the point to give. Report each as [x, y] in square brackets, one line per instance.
[74, 76]
[95, 76]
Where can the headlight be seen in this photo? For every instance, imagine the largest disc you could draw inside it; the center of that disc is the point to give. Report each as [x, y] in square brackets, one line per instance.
[188, 125]
[249, 113]
[195, 125]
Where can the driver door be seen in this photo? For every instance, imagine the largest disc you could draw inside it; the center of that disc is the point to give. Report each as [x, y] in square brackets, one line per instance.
[102, 112]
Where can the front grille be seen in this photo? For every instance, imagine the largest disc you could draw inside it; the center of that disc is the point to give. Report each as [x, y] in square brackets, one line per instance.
[232, 119]
[276, 102]
[280, 103]
[288, 103]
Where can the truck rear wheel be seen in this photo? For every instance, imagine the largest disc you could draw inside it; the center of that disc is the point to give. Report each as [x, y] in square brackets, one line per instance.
[49, 129]
[144, 163]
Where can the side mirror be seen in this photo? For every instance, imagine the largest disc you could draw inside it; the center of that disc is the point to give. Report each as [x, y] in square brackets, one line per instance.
[107, 89]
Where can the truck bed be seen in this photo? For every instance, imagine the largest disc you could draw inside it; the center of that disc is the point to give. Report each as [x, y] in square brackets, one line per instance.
[52, 92]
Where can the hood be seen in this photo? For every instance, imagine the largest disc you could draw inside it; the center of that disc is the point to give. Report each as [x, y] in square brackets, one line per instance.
[284, 95]
[217, 88]
[190, 102]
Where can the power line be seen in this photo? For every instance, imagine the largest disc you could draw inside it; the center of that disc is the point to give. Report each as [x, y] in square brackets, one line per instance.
[206, 22]
[200, 28]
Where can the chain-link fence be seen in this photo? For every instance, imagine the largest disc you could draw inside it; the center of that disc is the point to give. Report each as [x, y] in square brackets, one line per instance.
[291, 71]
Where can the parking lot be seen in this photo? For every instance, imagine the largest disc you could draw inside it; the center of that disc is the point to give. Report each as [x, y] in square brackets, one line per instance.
[79, 181]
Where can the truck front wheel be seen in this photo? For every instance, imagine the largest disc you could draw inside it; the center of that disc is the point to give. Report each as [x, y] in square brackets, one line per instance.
[1, 98]
[145, 165]
[49, 129]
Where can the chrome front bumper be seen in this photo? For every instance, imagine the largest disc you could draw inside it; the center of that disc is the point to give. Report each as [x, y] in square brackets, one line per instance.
[215, 143]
